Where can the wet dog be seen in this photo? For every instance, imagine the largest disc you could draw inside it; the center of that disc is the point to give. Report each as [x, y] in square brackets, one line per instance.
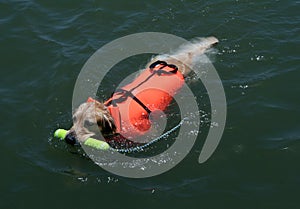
[94, 118]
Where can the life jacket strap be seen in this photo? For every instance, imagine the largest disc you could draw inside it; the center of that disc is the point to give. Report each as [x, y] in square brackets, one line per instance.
[124, 95]
[159, 68]
[90, 99]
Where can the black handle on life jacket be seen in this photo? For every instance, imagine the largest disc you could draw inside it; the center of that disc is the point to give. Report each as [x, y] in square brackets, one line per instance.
[163, 65]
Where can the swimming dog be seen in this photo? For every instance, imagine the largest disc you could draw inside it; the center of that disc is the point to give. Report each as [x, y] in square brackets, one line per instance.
[127, 111]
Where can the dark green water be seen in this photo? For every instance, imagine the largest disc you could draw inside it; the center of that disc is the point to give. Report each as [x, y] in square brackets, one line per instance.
[43, 46]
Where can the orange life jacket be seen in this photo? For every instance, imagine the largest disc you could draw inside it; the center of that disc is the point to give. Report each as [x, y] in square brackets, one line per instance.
[152, 90]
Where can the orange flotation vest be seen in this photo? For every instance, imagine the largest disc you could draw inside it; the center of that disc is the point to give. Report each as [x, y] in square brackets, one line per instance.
[152, 90]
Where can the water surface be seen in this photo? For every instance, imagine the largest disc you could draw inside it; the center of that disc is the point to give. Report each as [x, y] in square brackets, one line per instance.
[43, 48]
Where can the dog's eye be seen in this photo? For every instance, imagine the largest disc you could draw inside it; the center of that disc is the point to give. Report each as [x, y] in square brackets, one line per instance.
[74, 119]
[88, 123]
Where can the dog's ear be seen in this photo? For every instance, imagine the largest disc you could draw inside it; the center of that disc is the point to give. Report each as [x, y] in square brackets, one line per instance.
[100, 106]
[104, 119]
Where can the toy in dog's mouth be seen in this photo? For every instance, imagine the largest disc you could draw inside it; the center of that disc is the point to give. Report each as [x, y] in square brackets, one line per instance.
[71, 138]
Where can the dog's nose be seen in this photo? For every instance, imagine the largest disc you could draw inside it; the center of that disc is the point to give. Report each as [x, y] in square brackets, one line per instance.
[71, 138]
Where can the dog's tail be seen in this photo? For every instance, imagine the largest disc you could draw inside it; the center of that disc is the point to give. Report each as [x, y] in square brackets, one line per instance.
[189, 52]
[188, 55]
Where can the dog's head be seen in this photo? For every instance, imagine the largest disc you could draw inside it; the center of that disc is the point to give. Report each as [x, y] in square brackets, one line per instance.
[91, 119]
